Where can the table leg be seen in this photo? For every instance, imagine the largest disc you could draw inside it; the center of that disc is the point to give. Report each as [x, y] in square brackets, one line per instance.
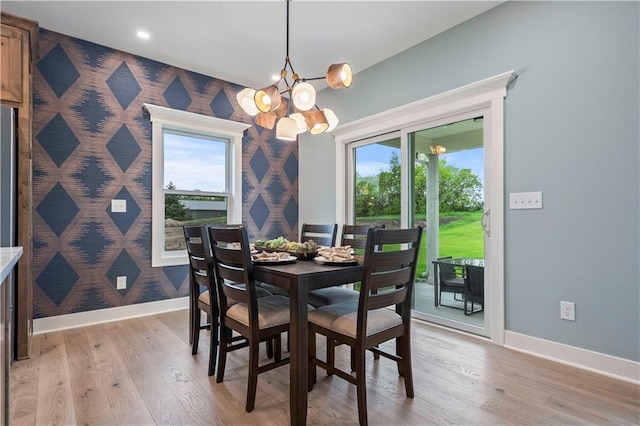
[299, 356]
[191, 313]
[436, 282]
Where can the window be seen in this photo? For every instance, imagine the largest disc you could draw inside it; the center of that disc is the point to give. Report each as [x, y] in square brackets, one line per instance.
[196, 177]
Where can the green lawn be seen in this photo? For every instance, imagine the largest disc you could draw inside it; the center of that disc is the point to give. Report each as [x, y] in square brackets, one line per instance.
[462, 237]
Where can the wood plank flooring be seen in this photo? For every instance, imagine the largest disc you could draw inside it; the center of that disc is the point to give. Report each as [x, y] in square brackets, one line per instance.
[141, 372]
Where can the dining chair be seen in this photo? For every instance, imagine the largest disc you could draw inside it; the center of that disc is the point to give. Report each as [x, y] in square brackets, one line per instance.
[473, 288]
[255, 319]
[323, 235]
[450, 280]
[202, 292]
[390, 261]
[356, 237]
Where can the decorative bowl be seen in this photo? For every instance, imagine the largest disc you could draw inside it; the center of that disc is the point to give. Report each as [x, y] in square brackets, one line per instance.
[303, 255]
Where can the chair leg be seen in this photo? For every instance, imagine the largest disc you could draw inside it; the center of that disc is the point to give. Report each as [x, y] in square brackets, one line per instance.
[405, 344]
[361, 386]
[399, 349]
[312, 356]
[353, 359]
[213, 345]
[269, 344]
[191, 314]
[195, 331]
[252, 384]
[222, 353]
[277, 352]
[331, 354]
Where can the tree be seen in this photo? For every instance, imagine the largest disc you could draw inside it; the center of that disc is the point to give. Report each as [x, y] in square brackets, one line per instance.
[389, 187]
[460, 190]
[173, 208]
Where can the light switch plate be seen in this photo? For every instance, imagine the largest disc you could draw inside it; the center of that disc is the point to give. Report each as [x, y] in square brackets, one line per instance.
[121, 283]
[525, 200]
[118, 206]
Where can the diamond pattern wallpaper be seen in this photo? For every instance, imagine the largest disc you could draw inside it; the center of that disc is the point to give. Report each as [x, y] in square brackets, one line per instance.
[93, 144]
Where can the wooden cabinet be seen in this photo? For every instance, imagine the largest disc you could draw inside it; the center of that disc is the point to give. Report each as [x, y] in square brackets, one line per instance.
[11, 65]
[18, 52]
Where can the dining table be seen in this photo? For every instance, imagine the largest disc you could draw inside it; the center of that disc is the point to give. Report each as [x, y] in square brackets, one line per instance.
[298, 279]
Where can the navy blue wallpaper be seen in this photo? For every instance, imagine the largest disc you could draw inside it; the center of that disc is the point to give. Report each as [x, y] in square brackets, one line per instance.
[93, 143]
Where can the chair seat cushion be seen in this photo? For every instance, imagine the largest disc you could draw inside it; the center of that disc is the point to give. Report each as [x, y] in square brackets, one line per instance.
[273, 289]
[260, 292]
[331, 296]
[343, 317]
[272, 311]
[453, 282]
[204, 298]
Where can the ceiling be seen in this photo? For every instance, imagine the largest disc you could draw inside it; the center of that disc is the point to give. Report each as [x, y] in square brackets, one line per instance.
[244, 42]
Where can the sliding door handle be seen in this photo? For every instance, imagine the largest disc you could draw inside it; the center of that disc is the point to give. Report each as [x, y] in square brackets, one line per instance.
[484, 221]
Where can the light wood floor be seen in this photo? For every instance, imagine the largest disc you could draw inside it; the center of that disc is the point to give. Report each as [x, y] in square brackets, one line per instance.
[141, 372]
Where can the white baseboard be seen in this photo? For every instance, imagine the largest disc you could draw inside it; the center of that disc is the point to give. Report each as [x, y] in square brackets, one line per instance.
[611, 366]
[81, 319]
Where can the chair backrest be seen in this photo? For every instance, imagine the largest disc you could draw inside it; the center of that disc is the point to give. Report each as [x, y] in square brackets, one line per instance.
[233, 266]
[323, 235]
[200, 262]
[390, 261]
[356, 235]
[447, 271]
[474, 280]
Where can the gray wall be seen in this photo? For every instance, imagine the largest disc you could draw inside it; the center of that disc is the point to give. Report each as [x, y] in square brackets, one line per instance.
[571, 131]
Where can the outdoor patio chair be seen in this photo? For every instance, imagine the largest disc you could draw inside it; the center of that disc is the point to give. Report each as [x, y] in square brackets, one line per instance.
[473, 289]
[449, 281]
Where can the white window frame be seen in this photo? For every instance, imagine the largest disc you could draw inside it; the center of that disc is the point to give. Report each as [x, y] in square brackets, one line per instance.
[485, 97]
[182, 121]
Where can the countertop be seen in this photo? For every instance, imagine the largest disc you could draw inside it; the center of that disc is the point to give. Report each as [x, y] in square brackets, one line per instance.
[8, 258]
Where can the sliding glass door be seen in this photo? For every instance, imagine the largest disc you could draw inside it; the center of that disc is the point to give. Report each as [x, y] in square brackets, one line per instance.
[442, 167]
[447, 176]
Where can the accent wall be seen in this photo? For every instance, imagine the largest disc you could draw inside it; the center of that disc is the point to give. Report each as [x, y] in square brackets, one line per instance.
[92, 143]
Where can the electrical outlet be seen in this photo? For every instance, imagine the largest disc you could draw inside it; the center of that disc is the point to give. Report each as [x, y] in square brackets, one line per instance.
[121, 283]
[567, 310]
[118, 206]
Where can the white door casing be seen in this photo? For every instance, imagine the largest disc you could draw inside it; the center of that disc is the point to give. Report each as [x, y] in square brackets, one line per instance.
[486, 98]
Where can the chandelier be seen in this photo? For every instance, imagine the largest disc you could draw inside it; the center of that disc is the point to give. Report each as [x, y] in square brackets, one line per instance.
[297, 113]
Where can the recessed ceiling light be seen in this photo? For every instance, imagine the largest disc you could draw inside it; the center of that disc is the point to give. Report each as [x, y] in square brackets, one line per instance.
[144, 35]
[275, 77]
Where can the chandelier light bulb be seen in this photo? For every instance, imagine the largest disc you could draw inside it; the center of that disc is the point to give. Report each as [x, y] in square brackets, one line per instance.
[246, 102]
[339, 76]
[303, 96]
[287, 129]
[300, 122]
[267, 99]
[332, 119]
[316, 121]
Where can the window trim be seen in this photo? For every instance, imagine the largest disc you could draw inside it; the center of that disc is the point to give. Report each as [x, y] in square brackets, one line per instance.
[163, 117]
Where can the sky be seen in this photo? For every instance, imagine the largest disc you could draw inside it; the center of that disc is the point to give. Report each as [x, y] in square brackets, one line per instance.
[205, 159]
[371, 159]
[206, 167]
